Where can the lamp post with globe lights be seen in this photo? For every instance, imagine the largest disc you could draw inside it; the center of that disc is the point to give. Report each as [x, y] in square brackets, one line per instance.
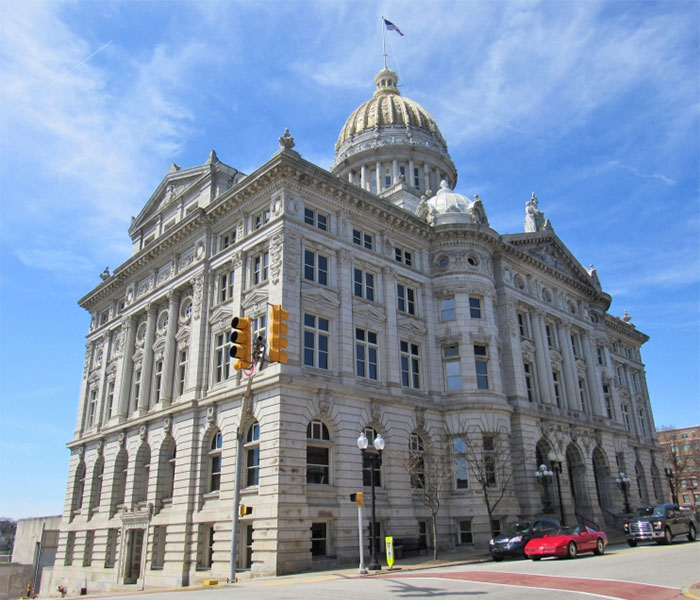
[544, 476]
[623, 483]
[375, 460]
[556, 459]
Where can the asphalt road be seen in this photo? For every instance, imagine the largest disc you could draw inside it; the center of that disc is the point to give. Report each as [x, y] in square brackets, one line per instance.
[642, 573]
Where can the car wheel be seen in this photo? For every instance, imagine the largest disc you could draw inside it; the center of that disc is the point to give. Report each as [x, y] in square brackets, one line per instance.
[631, 543]
[571, 550]
[668, 536]
[691, 533]
[599, 547]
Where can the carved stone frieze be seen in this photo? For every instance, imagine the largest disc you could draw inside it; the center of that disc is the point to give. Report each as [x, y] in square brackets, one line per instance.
[197, 284]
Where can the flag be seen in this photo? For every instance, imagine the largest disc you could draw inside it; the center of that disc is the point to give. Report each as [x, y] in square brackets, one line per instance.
[391, 27]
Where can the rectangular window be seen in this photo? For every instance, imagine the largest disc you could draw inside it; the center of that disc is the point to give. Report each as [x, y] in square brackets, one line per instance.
[363, 284]
[315, 267]
[226, 286]
[369, 469]
[600, 354]
[465, 532]
[453, 374]
[89, 545]
[222, 369]
[258, 325]
[474, 307]
[227, 239]
[205, 546]
[608, 401]
[406, 299]
[260, 267]
[387, 176]
[319, 539]
[111, 548]
[182, 371]
[158, 381]
[529, 383]
[366, 351]
[459, 453]
[522, 324]
[416, 178]
[620, 376]
[361, 238]
[92, 408]
[626, 417]
[110, 400]
[261, 219]
[316, 219]
[137, 389]
[373, 181]
[583, 395]
[316, 334]
[410, 365]
[496, 527]
[575, 344]
[489, 448]
[557, 388]
[403, 256]
[481, 360]
[447, 309]
[317, 464]
[642, 420]
[550, 335]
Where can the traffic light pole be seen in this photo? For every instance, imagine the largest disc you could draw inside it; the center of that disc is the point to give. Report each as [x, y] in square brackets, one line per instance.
[240, 440]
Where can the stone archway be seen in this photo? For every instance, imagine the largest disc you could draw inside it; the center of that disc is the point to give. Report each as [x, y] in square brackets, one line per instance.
[577, 480]
[601, 473]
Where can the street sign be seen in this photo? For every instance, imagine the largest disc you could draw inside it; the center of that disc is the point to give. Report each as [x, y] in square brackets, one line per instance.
[389, 541]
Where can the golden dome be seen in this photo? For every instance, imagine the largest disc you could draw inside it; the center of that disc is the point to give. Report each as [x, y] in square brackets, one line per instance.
[388, 108]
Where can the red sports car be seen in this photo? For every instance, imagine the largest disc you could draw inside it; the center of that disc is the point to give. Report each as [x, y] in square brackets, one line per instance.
[567, 542]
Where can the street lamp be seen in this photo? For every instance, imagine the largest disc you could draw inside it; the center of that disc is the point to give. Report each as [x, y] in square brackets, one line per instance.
[669, 476]
[375, 461]
[623, 483]
[544, 476]
[556, 459]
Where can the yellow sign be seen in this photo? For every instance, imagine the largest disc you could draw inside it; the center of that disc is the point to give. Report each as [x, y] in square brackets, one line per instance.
[389, 541]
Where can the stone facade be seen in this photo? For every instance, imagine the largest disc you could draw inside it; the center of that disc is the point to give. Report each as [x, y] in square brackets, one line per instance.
[409, 317]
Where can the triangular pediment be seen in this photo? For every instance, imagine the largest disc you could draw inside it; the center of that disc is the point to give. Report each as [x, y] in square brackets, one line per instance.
[221, 315]
[254, 302]
[411, 326]
[316, 297]
[368, 312]
[548, 249]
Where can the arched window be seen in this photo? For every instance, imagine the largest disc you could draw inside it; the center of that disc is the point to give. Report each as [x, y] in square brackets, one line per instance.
[416, 461]
[252, 451]
[142, 470]
[166, 471]
[96, 487]
[78, 487]
[367, 463]
[121, 469]
[215, 462]
[318, 450]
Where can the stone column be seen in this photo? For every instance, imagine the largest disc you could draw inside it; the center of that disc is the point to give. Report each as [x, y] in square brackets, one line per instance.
[395, 171]
[124, 391]
[345, 346]
[168, 363]
[363, 177]
[378, 175]
[391, 335]
[426, 178]
[544, 362]
[594, 383]
[147, 368]
[573, 400]
[100, 412]
[411, 167]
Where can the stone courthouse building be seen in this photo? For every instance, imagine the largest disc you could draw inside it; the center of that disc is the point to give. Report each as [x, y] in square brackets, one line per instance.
[409, 317]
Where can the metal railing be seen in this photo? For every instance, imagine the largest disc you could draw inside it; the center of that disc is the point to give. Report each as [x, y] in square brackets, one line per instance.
[618, 521]
[583, 520]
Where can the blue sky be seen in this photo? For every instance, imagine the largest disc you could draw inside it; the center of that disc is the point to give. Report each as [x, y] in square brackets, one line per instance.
[592, 105]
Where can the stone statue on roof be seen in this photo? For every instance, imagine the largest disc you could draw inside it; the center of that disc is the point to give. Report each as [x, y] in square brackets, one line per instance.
[534, 217]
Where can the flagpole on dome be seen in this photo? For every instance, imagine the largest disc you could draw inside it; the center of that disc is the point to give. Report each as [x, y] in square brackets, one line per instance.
[383, 40]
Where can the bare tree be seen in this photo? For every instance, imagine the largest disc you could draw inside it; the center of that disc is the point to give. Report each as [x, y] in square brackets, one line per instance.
[429, 469]
[488, 459]
[682, 457]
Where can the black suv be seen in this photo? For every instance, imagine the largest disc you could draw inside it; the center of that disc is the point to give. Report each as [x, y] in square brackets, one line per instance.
[511, 542]
[660, 523]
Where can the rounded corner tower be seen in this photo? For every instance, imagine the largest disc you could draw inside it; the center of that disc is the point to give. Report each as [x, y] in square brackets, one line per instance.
[390, 139]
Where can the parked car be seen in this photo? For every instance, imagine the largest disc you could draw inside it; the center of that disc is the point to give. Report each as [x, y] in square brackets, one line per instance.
[511, 542]
[567, 542]
[661, 523]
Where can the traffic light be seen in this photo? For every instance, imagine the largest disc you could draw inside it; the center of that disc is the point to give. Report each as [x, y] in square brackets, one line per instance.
[245, 510]
[356, 498]
[240, 340]
[278, 334]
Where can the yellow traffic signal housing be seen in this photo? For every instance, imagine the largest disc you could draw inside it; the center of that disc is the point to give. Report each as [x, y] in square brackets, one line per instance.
[278, 334]
[357, 498]
[245, 510]
[241, 343]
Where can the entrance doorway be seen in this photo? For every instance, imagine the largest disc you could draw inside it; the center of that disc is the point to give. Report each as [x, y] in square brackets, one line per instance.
[134, 552]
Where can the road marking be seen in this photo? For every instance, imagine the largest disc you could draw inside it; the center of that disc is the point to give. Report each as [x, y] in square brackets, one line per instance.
[622, 590]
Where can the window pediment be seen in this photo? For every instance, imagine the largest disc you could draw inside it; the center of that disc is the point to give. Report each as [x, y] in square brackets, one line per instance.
[410, 326]
[368, 312]
[314, 296]
[222, 316]
[254, 301]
